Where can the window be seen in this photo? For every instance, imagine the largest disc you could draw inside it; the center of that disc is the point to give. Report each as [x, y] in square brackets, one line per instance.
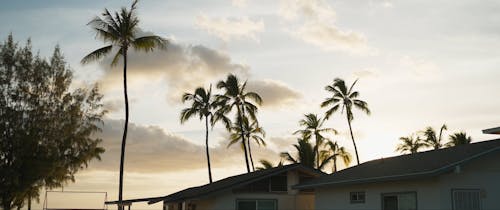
[256, 205]
[399, 201]
[466, 199]
[357, 197]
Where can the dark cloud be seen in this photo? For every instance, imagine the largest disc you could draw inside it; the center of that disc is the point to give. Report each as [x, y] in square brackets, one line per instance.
[150, 149]
[274, 93]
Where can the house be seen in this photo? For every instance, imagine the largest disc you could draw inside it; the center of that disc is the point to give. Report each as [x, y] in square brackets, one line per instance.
[492, 131]
[464, 177]
[269, 189]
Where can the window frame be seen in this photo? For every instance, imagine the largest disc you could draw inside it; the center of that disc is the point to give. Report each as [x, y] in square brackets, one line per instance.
[256, 200]
[351, 201]
[382, 195]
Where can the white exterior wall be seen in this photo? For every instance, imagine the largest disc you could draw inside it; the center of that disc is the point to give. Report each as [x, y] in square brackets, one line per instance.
[432, 194]
[290, 200]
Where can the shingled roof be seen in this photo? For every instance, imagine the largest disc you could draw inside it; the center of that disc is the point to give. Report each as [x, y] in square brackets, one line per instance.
[419, 165]
[227, 183]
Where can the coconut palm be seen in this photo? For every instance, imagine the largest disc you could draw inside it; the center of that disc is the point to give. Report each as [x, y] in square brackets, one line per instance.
[120, 31]
[344, 98]
[203, 105]
[236, 98]
[251, 131]
[306, 153]
[313, 126]
[431, 139]
[335, 152]
[410, 144]
[459, 138]
[267, 165]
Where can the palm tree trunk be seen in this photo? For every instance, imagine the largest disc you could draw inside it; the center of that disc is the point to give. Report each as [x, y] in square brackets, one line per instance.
[243, 137]
[29, 201]
[124, 138]
[335, 164]
[317, 151]
[206, 147]
[250, 153]
[352, 137]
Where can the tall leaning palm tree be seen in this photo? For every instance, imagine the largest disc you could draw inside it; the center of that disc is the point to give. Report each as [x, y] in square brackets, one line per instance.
[313, 126]
[203, 105]
[251, 131]
[459, 138]
[431, 139]
[236, 98]
[410, 144]
[120, 31]
[344, 98]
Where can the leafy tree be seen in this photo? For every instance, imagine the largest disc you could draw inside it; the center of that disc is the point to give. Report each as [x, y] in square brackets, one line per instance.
[335, 152]
[204, 105]
[121, 32]
[410, 144]
[306, 155]
[459, 138]
[236, 98]
[267, 165]
[251, 131]
[313, 126]
[46, 127]
[431, 139]
[345, 99]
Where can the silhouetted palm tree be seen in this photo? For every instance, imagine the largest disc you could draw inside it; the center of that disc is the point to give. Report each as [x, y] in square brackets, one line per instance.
[459, 138]
[203, 105]
[121, 32]
[344, 98]
[306, 155]
[236, 98]
[410, 144]
[431, 139]
[313, 126]
[335, 152]
[267, 165]
[251, 131]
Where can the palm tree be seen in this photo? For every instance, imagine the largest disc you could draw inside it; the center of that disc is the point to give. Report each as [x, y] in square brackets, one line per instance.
[410, 144]
[203, 104]
[267, 165]
[346, 99]
[459, 138]
[313, 126]
[251, 131]
[431, 139]
[306, 153]
[336, 152]
[236, 97]
[121, 31]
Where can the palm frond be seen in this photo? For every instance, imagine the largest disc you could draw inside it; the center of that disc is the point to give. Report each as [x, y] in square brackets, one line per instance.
[96, 54]
[149, 43]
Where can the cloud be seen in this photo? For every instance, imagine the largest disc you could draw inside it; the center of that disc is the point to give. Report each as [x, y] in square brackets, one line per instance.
[274, 93]
[239, 3]
[366, 73]
[317, 27]
[150, 149]
[231, 28]
[184, 67]
[420, 67]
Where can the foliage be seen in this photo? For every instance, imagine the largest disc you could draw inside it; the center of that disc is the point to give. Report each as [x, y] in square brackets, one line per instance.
[45, 126]
[251, 131]
[431, 139]
[410, 144]
[459, 138]
[267, 165]
[345, 99]
[335, 152]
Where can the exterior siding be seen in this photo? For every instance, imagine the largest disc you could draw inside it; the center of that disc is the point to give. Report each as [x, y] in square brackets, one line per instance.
[432, 193]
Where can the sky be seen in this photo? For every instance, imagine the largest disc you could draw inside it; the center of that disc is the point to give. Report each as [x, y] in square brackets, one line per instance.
[419, 63]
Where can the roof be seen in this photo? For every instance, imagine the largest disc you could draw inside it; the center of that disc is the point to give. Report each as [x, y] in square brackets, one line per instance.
[418, 165]
[227, 183]
[492, 130]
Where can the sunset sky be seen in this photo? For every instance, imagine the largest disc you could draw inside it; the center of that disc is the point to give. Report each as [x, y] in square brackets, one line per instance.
[419, 63]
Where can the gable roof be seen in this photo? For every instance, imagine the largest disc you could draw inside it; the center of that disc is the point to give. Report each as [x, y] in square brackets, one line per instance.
[227, 183]
[492, 130]
[418, 165]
